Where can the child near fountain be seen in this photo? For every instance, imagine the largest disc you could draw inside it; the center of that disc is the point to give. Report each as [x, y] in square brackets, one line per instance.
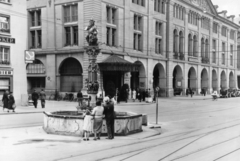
[87, 124]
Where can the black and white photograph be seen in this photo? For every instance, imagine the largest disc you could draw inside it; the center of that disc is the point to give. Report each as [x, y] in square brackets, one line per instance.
[120, 80]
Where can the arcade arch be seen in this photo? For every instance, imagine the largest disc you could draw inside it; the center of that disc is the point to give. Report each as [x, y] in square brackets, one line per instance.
[71, 79]
[177, 77]
[231, 80]
[204, 79]
[138, 78]
[159, 78]
[192, 78]
[223, 82]
[214, 80]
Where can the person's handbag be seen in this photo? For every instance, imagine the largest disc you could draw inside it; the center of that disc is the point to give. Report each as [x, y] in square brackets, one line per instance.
[14, 106]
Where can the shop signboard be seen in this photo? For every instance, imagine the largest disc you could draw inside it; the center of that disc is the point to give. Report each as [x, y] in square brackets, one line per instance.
[29, 56]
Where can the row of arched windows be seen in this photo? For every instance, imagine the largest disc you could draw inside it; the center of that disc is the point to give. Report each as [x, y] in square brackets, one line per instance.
[178, 44]
[178, 11]
[193, 18]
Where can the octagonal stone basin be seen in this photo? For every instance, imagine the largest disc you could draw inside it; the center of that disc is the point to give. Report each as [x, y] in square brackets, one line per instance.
[71, 123]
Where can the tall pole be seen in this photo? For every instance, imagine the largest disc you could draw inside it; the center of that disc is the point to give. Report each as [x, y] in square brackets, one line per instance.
[156, 105]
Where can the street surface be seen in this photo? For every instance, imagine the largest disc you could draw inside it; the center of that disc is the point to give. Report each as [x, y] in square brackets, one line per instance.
[193, 129]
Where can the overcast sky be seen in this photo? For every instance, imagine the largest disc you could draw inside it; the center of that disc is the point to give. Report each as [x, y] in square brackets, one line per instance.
[232, 6]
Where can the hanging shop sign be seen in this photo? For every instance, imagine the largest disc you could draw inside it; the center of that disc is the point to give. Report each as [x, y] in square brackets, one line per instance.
[6, 72]
[29, 56]
[7, 40]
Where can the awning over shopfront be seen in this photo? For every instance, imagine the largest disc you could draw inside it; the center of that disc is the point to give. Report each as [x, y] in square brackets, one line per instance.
[115, 63]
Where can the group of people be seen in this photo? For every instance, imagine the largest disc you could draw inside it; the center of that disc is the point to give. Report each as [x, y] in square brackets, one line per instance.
[105, 109]
[8, 101]
[41, 96]
[140, 95]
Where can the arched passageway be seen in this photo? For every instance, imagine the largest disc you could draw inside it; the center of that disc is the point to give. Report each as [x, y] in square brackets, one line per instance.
[214, 80]
[70, 75]
[159, 79]
[223, 82]
[177, 77]
[192, 79]
[204, 79]
[138, 78]
[231, 80]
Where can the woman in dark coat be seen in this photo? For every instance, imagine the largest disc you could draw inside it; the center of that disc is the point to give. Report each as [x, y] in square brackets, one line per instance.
[11, 101]
[5, 99]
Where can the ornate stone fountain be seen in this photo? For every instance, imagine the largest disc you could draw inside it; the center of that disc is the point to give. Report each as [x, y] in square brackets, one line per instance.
[71, 122]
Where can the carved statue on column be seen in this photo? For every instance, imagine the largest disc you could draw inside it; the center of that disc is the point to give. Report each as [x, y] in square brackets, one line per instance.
[92, 38]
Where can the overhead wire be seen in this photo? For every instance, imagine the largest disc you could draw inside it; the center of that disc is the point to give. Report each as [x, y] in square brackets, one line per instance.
[15, 13]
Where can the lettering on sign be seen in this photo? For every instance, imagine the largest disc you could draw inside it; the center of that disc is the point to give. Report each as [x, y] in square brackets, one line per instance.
[193, 60]
[6, 72]
[7, 40]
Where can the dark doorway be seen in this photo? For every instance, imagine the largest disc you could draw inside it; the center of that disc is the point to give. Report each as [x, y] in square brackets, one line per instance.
[112, 79]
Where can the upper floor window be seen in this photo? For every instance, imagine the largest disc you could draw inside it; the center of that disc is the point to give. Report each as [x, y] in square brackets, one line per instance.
[35, 17]
[193, 18]
[159, 6]
[158, 38]
[71, 35]
[137, 36]
[224, 31]
[111, 15]
[223, 58]
[4, 55]
[137, 22]
[205, 23]
[178, 12]
[71, 13]
[4, 24]
[36, 39]
[223, 47]
[6, 1]
[214, 47]
[231, 54]
[139, 2]
[215, 28]
[232, 34]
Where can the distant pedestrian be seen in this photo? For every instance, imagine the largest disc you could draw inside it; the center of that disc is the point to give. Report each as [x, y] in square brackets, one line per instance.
[80, 98]
[97, 114]
[139, 95]
[43, 98]
[5, 99]
[191, 92]
[11, 102]
[110, 116]
[134, 95]
[35, 97]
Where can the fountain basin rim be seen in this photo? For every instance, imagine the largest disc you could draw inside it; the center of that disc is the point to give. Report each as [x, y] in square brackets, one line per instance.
[50, 114]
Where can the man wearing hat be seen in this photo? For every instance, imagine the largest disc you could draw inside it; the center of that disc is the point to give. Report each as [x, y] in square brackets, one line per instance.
[109, 116]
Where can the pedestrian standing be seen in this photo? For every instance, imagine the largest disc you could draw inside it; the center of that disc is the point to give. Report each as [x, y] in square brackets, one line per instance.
[80, 98]
[42, 98]
[110, 117]
[97, 114]
[5, 99]
[35, 98]
[87, 124]
[11, 102]
[134, 95]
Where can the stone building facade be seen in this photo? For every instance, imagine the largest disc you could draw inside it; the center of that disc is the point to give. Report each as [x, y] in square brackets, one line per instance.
[177, 44]
[12, 47]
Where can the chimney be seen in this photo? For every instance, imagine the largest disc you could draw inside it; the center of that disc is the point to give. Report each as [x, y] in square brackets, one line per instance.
[231, 18]
[223, 13]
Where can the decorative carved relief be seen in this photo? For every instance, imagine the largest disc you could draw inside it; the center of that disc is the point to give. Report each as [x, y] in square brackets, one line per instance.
[200, 3]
